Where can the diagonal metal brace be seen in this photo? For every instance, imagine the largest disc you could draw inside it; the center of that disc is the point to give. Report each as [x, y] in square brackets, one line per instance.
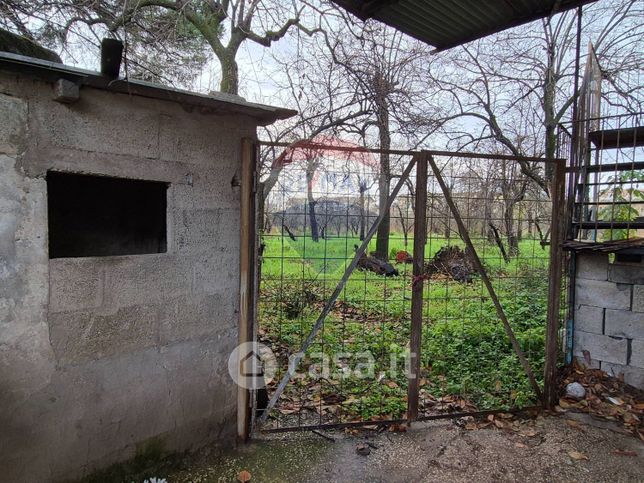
[297, 357]
[486, 280]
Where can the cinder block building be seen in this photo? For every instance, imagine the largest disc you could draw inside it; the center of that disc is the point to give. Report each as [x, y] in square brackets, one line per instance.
[608, 299]
[119, 267]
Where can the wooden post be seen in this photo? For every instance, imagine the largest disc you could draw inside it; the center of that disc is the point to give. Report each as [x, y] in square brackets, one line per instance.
[420, 235]
[554, 286]
[484, 277]
[246, 272]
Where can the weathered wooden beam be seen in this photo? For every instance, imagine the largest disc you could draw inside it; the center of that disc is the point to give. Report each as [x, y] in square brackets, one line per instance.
[420, 236]
[246, 279]
[554, 286]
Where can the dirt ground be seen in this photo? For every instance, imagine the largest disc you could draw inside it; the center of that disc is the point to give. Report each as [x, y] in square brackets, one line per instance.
[571, 447]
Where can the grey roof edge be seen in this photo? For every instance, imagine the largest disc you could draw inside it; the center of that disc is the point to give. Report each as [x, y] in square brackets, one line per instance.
[382, 10]
[215, 103]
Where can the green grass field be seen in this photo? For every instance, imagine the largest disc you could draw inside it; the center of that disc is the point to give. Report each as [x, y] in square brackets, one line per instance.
[467, 360]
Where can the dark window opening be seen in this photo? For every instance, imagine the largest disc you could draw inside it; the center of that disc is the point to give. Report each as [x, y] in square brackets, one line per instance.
[628, 257]
[93, 216]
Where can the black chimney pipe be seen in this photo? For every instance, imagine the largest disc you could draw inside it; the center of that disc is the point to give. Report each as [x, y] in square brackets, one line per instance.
[111, 55]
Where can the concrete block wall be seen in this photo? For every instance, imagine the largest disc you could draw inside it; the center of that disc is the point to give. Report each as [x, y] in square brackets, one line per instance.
[609, 316]
[102, 358]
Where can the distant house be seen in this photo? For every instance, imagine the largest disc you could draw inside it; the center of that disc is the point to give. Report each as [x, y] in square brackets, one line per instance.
[119, 267]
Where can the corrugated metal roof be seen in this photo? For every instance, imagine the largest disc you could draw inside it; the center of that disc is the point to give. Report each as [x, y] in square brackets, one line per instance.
[216, 102]
[448, 23]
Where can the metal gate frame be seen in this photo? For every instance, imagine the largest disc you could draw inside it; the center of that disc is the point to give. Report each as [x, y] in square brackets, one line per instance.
[421, 160]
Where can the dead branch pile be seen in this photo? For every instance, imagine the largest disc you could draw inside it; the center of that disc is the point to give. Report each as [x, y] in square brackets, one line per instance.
[377, 266]
[453, 262]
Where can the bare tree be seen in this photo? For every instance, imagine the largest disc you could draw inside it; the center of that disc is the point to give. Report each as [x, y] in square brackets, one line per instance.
[517, 85]
[385, 69]
[364, 83]
[158, 31]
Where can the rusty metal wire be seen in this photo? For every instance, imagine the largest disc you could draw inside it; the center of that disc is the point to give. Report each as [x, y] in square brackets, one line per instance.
[325, 196]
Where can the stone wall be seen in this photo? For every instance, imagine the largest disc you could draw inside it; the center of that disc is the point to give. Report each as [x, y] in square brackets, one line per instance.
[609, 315]
[107, 358]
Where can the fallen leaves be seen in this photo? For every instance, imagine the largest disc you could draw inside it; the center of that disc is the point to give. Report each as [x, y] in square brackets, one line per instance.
[243, 476]
[398, 428]
[606, 397]
[615, 400]
[576, 455]
[363, 449]
[448, 403]
[529, 433]
[499, 424]
[624, 452]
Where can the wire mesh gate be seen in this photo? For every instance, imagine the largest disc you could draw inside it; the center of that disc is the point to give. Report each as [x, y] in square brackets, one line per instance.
[416, 288]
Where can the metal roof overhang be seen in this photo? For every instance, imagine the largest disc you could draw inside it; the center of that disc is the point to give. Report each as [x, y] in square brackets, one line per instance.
[448, 23]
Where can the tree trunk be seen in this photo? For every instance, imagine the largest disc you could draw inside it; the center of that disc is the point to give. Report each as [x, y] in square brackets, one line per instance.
[315, 233]
[310, 174]
[382, 236]
[549, 99]
[495, 235]
[362, 213]
[486, 231]
[508, 221]
[229, 73]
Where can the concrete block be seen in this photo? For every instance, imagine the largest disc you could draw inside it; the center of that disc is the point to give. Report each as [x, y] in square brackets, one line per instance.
[198, 139]
[626, 273]
[34, 286]
[592, 266]
[208, 193]
[66, 91]
[82, 336]
[637, 353]
[26, 363]
[217, 273]
[632, 375]
[144, 279]
[10, 186]
[589, 319]
[100, 121]
[638, 298]
[623, 323]
[38, 159]
[8, 264]
[196, 317]
[75, 284]
[594, 364]
[601, 347]
[14, 124]
[198, 228]
[599, 293]
[31, 230]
